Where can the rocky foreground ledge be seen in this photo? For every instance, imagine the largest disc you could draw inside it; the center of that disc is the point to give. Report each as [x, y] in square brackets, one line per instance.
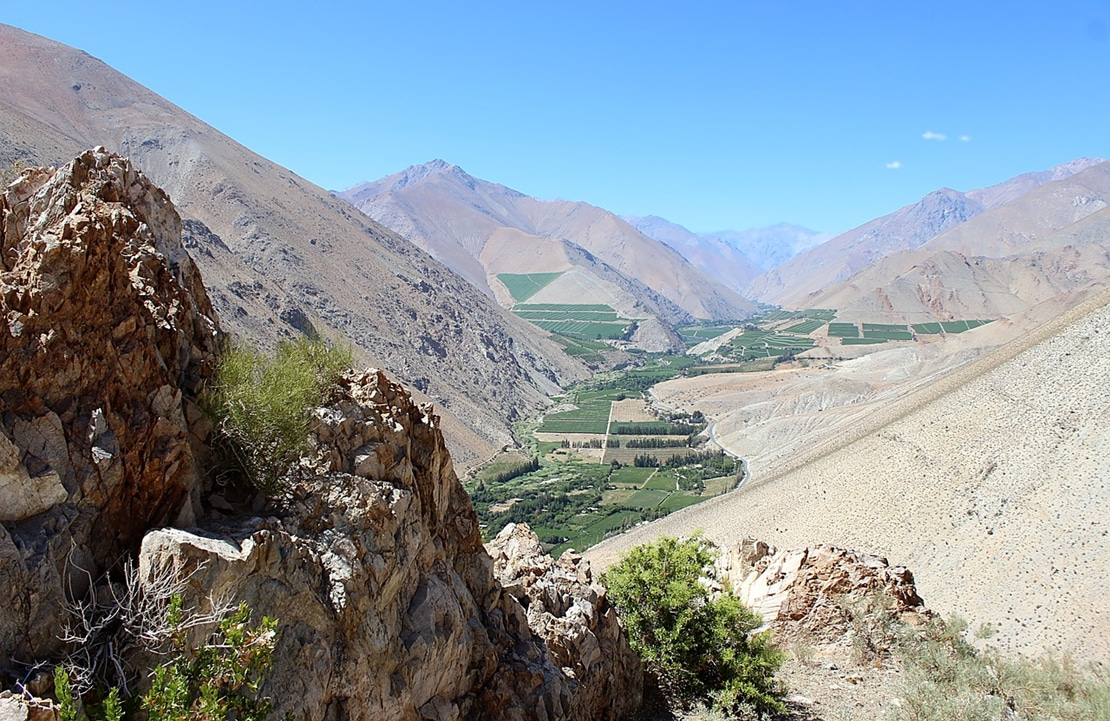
[388, 603]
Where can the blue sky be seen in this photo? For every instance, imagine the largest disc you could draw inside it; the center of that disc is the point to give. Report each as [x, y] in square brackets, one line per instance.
[712, 114]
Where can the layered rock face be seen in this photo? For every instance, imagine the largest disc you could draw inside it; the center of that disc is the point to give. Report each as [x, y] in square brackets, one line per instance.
[105, 335]
[373, 564]
[810, 593]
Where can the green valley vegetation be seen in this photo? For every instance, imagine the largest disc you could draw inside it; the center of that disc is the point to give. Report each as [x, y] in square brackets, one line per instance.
[698, 646]
[578, 321]
[522, 286]
[586, 475]
[588, 472]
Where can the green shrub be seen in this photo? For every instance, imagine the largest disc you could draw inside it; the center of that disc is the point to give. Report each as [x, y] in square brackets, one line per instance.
[697, 646]
[217, 681]
[946, 677]
[261, 407]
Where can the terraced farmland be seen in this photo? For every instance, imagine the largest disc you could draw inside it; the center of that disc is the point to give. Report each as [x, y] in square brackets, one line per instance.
[805, 327]
[766, 344]
[887, 331]
[591, 416]
[843, 330]
[524, 286]
[959, 326]
[582, 322]
[694, 334]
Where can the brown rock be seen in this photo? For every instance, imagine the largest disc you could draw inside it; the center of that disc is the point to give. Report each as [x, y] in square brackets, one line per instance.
[104, 329]
[809, 593]
[387, 605]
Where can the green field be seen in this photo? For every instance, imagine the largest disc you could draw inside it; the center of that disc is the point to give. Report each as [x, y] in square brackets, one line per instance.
[959, 326]
[630, 475]
[862, 341]
[586, 350]
[926, 328]
[591, 416]
[778, 315]
[524, 286]
[843, 330]
[882, 327]
[596, 315]
[888, 334]
[559, 307]
[805, 327]
[752, 344]
[694, 334]
[583, 329]
[647, 498]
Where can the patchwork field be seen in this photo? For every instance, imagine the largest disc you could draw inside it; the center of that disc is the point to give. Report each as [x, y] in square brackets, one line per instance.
[524, 286]
[583, 484]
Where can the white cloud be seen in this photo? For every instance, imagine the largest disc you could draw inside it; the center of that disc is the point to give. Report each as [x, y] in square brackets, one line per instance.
[894, 165]
[965, 138]
[930, 135]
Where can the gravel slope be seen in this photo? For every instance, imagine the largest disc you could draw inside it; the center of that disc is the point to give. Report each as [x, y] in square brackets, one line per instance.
[991, 484]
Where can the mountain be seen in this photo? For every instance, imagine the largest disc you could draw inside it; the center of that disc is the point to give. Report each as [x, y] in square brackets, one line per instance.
[773, 245]
[796, 281]
[711, 255]
[482, 229]
[280, 255]
[839, 258]
[1048, 242]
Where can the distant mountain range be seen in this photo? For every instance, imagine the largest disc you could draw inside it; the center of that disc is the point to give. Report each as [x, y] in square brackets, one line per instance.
[985, 253]
[281, 256]
[735, 258]
[482, 230]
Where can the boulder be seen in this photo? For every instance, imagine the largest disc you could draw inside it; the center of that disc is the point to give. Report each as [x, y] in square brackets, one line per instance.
[811, 593]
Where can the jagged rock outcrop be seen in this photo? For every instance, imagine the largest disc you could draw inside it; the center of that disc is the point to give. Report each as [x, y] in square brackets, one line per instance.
[810, 593]
[105, 335]
[372, 561]
[573, 617]
[376, 570]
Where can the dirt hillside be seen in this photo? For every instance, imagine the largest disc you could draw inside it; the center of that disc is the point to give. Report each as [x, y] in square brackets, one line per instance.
[990, 483]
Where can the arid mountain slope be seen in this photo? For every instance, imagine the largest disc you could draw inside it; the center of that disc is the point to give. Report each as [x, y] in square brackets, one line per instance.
[989, 483]
[281, 255]
[1052, 240]
[482, 229]
[844, 255]
[798, 281]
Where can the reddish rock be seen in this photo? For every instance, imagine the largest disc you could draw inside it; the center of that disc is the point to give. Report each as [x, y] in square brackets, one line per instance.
[105, 336]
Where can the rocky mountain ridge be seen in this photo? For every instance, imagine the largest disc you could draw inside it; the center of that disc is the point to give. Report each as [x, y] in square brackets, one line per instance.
[388, 602]
[1051, 241]
[849, 267]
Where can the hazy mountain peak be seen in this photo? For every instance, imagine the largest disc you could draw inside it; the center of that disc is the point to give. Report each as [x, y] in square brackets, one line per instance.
[1073, 167]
